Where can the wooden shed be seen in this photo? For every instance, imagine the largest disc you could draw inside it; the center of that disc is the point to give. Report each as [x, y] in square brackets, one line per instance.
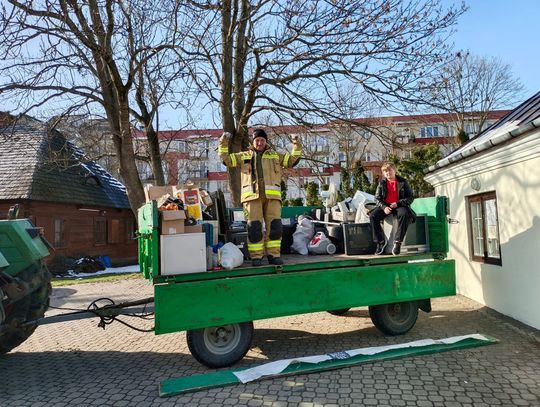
[84, 211]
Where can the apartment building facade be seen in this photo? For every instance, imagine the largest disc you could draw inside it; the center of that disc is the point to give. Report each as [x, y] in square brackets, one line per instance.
[192, 154]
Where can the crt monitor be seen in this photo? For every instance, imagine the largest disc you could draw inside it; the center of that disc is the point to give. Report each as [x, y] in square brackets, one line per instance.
[417, 238]
[358, 238]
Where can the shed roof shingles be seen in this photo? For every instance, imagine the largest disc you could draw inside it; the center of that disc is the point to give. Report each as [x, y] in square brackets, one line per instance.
[40, 164]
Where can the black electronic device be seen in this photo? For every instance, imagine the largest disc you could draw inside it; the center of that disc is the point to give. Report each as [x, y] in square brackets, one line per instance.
[417, 237]
[358, 238]
[289, 227]
[335, 234]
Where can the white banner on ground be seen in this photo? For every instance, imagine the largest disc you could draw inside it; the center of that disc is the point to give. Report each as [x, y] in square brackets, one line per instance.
[272, 368]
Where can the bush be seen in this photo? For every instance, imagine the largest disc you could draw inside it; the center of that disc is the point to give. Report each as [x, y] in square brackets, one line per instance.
[296, 202]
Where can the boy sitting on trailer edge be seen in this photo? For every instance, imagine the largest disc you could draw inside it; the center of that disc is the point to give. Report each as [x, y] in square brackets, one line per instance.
[394, 196]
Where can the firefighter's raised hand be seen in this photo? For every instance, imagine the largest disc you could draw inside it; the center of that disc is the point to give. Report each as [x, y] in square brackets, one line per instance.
[225, 137]
[295, 139]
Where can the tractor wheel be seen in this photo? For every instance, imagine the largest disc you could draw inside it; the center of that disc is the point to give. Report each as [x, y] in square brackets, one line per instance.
[31, 307]
[339, 312]
[394, 319]
[220, 346]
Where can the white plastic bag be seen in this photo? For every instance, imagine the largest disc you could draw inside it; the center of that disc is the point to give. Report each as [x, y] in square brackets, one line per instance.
[359, 200]
[231, 256]
[320, 244]
[303, 234]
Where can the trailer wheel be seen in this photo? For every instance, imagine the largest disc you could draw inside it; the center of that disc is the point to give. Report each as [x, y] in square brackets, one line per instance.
[220, 346]
[394, 319]
[31, 307]
[339, 312]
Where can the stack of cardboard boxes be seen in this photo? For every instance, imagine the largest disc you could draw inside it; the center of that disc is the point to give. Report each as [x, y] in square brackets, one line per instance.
[182, 244]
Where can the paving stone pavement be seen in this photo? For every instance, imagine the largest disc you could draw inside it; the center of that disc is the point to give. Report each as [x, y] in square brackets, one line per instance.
[78, 364]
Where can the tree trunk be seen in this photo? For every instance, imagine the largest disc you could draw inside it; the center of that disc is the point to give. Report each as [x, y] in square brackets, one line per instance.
[155, 155]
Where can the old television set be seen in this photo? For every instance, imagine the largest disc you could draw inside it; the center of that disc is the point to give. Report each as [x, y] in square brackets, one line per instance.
[417, 237]
[358, 239]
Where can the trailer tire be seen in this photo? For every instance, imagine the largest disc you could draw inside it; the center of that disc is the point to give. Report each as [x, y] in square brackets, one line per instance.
[339, 312]
[394, 319]
[31, 307]
[220, 346]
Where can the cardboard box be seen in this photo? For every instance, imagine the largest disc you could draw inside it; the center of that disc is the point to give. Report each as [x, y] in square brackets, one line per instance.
[172, 222]
[193, 229]
[153, 193]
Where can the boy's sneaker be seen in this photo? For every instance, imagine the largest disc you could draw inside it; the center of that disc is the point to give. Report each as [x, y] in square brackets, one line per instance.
[256, 262]
[381, 246]
[396, 249]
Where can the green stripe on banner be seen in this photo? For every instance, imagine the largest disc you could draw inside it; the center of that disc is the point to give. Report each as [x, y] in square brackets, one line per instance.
[180, 385]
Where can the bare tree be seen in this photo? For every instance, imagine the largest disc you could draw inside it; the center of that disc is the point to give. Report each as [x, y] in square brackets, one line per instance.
[289, 56]
[471, 86]
[87, 53]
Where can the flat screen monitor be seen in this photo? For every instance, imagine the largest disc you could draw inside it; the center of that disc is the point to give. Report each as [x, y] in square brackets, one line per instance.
[237, 215]
[358, 238]
[417, 236]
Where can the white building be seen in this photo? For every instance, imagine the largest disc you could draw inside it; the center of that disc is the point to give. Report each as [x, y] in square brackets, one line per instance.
[493, 183]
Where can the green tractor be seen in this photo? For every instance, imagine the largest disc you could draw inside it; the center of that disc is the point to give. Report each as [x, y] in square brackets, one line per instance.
[25, 282]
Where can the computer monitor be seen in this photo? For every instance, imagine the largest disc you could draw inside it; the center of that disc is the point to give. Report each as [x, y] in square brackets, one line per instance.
[358, 238]
[237, 215]
[417, 237]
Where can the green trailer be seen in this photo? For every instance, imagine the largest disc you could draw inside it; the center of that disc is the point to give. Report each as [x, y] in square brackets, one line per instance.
[217, 308]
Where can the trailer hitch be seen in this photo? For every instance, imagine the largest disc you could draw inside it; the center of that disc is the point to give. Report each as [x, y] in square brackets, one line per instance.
[106, 313]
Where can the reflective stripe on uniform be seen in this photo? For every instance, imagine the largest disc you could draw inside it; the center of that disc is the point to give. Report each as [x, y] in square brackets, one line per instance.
[296, 153]
[286, 160]
[233, 160]
[246, 195]
[270, 155]
[270, 244]
[246, 156]
[223, 150]
[255, 247]
[272, 190]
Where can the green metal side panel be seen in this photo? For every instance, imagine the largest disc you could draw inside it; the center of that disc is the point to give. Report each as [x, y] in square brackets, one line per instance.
[293, 211]
[199, 304]
[436, 209]
[3, 262]
[148, 238]
[18, 247]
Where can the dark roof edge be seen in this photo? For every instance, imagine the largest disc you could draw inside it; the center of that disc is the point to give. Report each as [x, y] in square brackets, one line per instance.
[487, 144]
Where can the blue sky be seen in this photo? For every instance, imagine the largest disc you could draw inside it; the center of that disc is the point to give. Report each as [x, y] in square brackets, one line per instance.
[506, 29]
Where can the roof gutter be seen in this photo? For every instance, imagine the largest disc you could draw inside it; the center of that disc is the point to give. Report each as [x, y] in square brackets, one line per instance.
[487, 144]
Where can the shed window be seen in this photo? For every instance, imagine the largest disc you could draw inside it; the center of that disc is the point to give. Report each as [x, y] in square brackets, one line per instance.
[130, 230]
[59, 233]
[483, 222]
[100, 231]
[113, 231]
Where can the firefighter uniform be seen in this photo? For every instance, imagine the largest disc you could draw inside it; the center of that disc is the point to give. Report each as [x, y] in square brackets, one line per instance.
[261, 194]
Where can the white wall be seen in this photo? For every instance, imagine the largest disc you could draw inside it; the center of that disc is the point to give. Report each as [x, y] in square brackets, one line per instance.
[513, 172]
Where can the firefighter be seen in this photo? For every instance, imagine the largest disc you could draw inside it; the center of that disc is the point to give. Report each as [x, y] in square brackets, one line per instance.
[260, 177]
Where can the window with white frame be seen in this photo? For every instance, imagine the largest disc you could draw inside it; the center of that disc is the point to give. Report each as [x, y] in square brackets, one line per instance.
[483, 222]
[429, 131]
[369, 155]
[471, 128]
[145, 171]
